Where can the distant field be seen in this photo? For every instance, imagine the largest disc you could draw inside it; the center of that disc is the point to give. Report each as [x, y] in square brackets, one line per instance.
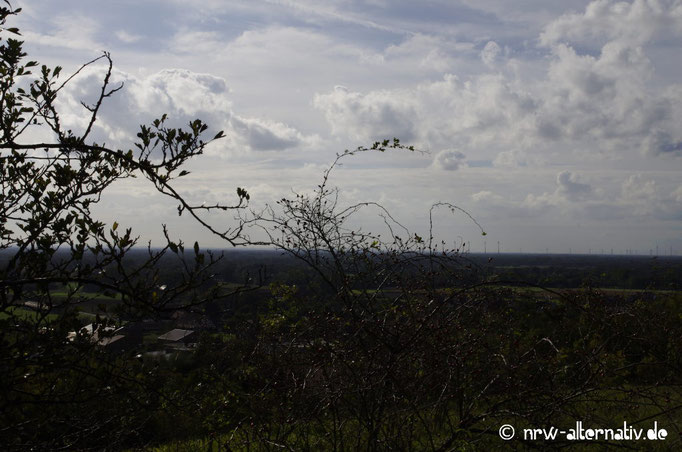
[27, 314]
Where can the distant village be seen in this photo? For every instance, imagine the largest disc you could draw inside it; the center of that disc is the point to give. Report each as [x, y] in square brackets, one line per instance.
[153, 338]
[160, 338]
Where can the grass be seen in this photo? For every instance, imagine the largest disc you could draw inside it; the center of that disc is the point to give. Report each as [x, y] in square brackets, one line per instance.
[27, 314]
[602, 409]
[63, 294]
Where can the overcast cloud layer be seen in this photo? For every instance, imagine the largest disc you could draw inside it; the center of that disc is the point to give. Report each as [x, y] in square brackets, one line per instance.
[555, 124]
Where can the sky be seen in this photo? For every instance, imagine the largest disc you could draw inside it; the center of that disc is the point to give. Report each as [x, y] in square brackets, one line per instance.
[555, 124]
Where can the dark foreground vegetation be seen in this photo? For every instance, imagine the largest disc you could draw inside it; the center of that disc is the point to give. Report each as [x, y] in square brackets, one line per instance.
[397, 356]
[338, 340]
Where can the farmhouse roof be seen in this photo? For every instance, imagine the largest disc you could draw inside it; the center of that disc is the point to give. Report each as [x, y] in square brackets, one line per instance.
[175, 335]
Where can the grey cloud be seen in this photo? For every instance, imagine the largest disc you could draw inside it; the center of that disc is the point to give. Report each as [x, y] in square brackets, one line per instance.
[608, 102]
[662, 142]
[376, 115]
[511, 159]
[637, 189]
[570, 194]
[610, 98]
[508, 207]
[449, 160]
[570, 188]
[266, 136]
[637, 22]
[604, 211]
[548, 129]
[490, 53]
[73, 31]
[184, 95]
[127, 37]
[437, 114]
[677, 195]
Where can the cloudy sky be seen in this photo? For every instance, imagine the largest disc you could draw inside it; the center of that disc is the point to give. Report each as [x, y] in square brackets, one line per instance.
[556, 124]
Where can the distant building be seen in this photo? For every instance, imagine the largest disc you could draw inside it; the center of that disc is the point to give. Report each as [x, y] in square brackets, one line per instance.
[140, 328]
[117, 343]
[36, 306]
[109, 338]
[178, 338]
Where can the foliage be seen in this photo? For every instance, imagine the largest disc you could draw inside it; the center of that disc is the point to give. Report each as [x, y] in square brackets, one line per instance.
[51, 242]
[402, 345]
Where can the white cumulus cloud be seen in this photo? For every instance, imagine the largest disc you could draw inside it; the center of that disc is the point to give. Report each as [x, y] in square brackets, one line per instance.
[379, 114]
[184, 96]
